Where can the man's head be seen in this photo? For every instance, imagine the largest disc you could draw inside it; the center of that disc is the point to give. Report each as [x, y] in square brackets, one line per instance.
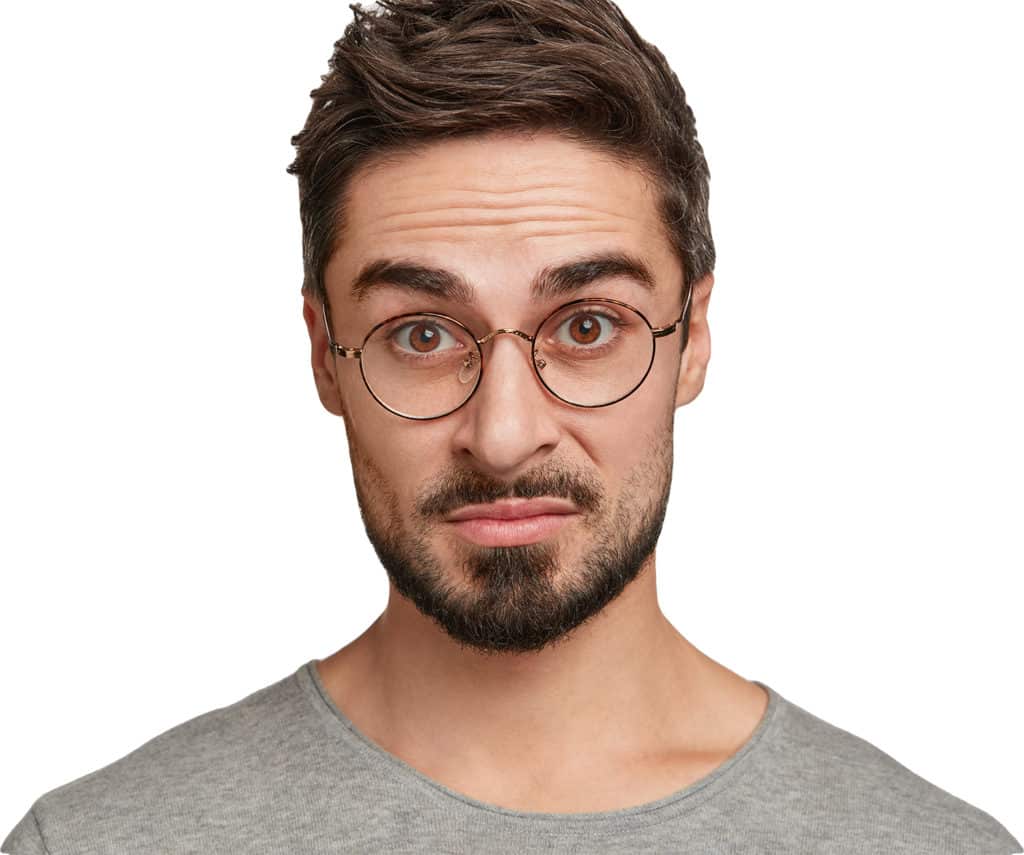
[488, 143]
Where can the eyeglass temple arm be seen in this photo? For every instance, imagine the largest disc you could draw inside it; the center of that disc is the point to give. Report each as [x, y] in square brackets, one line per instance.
[338, 349]
[671, 328]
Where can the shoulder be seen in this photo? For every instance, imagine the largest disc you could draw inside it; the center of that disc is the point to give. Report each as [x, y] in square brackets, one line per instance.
[847, 789]
[172, 783]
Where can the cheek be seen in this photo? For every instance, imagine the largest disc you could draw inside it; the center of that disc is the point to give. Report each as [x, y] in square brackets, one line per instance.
[399, 454]
[649, 408]
[630, 442]
[617, 447]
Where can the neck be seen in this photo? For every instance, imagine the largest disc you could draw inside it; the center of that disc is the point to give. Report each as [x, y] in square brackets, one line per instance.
[625, 684]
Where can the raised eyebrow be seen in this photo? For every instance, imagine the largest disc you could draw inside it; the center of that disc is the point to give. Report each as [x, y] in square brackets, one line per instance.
[567, 278]
[552, 281]
[411, 276]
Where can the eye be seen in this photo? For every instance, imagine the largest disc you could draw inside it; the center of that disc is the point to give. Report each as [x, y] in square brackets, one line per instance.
[587, 329]
[422, 337]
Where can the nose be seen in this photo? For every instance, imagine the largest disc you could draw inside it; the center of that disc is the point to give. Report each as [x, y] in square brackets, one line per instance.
[511, 420]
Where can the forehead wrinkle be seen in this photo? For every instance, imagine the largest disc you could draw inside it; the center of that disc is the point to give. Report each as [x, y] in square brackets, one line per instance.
[513, 227]
[491, 169]
[465, 204]
[475, 191]
[556, 233]
[439, 219]
[493, 214]
[462, 234]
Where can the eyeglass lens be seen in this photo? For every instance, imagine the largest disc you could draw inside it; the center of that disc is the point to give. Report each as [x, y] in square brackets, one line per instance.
[588, 354]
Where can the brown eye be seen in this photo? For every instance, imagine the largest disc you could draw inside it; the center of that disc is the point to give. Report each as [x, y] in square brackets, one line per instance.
[424, 337]
[585, 329]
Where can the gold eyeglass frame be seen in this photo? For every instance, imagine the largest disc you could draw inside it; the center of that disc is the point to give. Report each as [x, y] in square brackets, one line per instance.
[344, 352]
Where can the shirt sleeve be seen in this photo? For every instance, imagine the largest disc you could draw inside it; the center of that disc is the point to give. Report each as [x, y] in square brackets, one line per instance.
[25, 838]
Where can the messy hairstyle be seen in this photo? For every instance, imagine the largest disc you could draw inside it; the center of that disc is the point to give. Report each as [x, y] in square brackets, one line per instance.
[410, 72]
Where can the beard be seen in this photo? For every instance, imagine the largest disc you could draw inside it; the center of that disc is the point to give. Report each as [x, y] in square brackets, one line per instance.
[517, 599]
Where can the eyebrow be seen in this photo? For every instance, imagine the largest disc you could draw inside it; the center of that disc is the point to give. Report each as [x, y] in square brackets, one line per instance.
[552, 281]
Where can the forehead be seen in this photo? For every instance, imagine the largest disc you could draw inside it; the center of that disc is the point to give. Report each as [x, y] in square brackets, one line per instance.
[496, 208]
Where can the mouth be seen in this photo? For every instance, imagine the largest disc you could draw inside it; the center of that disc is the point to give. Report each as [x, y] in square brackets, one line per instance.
[519, 532]
[512, 522]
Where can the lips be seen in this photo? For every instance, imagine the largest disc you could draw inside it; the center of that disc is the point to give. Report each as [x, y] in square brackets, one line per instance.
[513, 509]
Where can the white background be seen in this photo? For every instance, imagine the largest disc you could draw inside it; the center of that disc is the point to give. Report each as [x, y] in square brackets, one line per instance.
[179, 527]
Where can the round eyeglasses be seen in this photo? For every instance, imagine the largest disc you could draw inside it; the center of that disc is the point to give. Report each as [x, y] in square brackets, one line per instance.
[587, 353]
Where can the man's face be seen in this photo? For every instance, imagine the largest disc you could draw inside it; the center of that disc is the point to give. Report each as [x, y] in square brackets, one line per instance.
[494, 211]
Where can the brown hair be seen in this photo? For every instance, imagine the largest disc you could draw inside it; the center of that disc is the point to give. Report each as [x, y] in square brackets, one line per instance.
[416, 71]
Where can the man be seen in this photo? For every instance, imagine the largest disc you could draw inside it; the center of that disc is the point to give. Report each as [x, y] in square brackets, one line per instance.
[508, 270]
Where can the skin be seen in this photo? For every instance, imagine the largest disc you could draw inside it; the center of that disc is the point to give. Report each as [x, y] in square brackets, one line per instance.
[615, 708]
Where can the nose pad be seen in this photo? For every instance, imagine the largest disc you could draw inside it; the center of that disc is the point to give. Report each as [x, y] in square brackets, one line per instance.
[470, 368]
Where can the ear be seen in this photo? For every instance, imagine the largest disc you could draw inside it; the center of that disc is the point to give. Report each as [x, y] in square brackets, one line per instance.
[694, 359]
[321, 356]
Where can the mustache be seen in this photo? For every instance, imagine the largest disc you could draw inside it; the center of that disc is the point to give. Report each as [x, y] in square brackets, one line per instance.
[462, 487]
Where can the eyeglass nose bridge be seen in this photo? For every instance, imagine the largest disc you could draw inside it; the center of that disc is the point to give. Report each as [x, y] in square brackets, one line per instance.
[538, 360]
[490, 335]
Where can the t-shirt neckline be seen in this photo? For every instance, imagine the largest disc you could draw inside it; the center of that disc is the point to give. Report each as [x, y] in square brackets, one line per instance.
[686, 798]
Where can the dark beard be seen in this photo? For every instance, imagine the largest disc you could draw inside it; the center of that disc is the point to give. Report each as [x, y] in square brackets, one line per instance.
[513, 603]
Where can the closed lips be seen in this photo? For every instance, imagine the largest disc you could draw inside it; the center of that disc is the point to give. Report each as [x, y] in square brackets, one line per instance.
[513, 509]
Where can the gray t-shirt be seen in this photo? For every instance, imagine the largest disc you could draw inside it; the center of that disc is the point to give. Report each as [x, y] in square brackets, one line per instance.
[284, 771]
